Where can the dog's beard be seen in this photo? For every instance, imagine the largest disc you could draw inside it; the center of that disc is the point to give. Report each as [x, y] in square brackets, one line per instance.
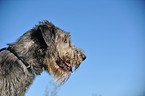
[59, 74]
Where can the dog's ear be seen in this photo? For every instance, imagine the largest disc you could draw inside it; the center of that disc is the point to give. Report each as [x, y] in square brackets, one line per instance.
[48, 33]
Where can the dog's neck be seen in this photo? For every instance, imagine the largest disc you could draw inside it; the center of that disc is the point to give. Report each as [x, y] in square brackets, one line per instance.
[29, 50]
[21, 59]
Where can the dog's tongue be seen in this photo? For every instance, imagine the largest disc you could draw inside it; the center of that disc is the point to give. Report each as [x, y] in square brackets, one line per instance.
[66, 66]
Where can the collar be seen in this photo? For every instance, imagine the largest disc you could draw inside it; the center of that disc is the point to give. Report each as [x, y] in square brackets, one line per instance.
[21, 59]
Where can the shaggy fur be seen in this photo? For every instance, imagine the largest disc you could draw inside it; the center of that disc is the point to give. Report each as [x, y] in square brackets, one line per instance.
[45, 47]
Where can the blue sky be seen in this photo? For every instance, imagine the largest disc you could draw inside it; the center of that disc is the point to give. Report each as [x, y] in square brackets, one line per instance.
[111, 32]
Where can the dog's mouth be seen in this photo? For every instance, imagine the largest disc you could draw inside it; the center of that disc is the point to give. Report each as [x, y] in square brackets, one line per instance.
[62, 63]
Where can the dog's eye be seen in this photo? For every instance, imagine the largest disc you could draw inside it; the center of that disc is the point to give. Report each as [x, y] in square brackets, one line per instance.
[65, 40]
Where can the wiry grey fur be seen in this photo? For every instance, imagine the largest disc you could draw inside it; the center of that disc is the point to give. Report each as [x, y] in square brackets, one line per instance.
[45, 47]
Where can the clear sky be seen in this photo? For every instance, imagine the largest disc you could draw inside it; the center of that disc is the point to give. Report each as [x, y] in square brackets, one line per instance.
[111, 32]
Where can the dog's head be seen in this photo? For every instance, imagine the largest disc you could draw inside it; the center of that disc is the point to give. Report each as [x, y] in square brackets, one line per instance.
[61, 56]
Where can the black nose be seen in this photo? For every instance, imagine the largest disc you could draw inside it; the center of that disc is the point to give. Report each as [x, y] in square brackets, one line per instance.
[83, 57]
